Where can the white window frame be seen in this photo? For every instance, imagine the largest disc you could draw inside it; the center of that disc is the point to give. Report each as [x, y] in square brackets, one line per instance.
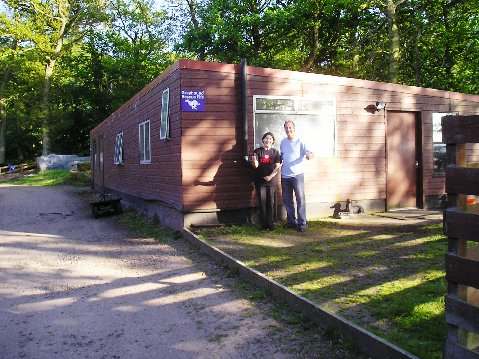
[437, 117]
[296, 111]
[141, 133]
[118, 153]
[165, 115]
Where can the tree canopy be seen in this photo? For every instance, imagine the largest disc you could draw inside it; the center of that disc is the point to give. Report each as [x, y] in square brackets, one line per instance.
[65, 65]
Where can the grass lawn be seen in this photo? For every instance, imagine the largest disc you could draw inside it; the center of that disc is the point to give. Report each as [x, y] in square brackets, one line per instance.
[388, 279]
[51, 178]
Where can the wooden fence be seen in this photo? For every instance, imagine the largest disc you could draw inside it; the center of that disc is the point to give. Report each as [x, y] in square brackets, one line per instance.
[461, 225]
[20, 168]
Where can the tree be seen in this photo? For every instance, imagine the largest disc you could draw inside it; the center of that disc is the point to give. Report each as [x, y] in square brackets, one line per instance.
[54, 26]
[103, 71]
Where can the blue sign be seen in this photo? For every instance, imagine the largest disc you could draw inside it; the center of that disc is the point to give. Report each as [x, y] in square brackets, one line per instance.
[192, 100]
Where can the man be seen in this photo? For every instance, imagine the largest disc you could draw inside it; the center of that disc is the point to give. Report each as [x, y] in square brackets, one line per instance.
[293, 153]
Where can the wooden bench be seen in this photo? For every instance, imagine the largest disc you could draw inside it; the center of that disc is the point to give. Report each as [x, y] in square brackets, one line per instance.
[106, 206]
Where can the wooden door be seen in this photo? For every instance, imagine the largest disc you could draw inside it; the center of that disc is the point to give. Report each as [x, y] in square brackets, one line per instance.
[401, 160]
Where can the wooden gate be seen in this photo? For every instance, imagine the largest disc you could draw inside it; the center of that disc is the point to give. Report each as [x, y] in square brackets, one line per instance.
[461, 225]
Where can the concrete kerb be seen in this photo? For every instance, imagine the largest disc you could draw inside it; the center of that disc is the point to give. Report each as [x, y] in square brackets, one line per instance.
[364, 341]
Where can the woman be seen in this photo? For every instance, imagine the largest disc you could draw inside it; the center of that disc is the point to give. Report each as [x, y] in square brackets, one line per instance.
[266, 161]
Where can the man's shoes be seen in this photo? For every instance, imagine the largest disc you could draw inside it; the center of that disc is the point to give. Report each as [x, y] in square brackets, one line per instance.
[290, 225]
[301, 229]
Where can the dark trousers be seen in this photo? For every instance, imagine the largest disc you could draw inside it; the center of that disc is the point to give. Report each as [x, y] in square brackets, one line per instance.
[289, 186]
[266, 194]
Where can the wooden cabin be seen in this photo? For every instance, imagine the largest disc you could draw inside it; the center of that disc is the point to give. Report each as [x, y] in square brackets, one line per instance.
[176, 150]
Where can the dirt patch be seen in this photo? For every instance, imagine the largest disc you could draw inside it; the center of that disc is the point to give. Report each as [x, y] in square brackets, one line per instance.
[75, 287]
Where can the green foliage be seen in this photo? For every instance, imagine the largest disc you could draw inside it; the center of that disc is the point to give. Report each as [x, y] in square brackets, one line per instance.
[101, 53]
[54, 178]
[95, 67]
[435, 43]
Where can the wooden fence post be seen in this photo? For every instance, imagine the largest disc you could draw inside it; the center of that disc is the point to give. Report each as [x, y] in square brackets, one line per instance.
[461, 225]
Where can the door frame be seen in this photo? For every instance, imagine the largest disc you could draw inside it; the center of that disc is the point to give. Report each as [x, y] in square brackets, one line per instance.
[418, 156]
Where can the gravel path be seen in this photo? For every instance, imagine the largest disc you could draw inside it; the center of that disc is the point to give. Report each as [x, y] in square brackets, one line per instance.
[75, 287]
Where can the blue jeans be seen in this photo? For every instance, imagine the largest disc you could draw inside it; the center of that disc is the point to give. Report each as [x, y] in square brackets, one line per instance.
[296, 185]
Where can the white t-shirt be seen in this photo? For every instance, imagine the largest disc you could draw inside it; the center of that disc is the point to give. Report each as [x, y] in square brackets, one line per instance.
[293, 154]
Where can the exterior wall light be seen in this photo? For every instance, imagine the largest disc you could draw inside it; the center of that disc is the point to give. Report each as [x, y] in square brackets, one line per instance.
[380, 105]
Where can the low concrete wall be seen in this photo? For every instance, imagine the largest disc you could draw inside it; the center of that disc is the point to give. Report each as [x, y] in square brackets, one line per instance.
[163, 213]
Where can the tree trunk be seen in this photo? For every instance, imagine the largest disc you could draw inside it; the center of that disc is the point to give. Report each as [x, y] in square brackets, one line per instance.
[447, 58]
[394, 52]
[3, 116]
[417, 59]
[313, 53]
[3, 129]
[193, 9]
[49, 67]
[44, 106]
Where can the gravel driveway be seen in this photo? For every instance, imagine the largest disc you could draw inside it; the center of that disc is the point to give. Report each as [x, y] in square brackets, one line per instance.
[75, 287]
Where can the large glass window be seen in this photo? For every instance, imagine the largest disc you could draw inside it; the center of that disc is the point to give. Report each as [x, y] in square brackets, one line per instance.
[165, 121]
[438, 147]
[315, 120]
[118, 157]
[144, 142]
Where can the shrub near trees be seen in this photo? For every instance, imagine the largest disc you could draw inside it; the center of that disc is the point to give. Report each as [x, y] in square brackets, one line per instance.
[65, 65]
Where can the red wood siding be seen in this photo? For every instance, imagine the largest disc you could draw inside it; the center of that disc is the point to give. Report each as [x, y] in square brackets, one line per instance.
[358, 170]
[202, 168]
[160, 180]
[214, 175]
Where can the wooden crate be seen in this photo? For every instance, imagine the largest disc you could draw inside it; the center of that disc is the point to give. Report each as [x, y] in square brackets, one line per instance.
[461, 225]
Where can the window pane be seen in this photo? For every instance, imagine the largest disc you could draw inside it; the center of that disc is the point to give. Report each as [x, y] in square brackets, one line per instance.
[115, 154]
[275, 104]
[142, 142]
[437, 127]
[439, 157]
[322, 106]
[317, 132]
[164, 127]
[120, 148]
[147, 142]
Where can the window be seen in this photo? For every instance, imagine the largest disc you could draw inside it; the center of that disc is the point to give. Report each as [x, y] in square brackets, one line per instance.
[314, 117]
[144, 142]
[165, 123]
[100, 152]
[118, 156]
[93, 152]
[438, 147]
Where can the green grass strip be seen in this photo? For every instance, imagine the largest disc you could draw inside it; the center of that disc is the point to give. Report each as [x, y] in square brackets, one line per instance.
[387, 279]
[53, 178]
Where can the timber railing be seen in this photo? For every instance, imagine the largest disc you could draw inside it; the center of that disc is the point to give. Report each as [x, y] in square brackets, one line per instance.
[461, 225]
[20, 168]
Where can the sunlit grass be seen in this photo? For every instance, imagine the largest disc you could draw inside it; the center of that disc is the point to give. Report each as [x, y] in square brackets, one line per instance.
[53, 178]
[389, 280]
